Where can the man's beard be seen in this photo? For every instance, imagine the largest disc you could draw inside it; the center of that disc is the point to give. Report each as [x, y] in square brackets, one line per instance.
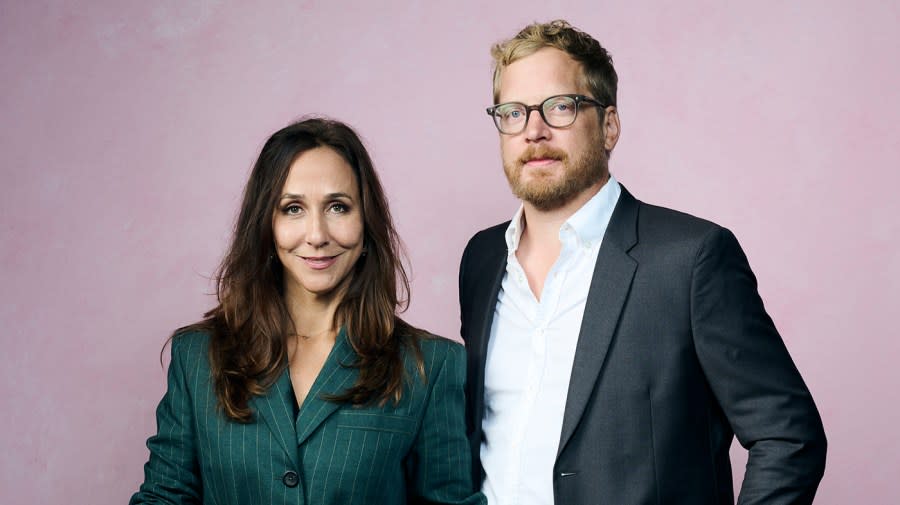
[578, 174]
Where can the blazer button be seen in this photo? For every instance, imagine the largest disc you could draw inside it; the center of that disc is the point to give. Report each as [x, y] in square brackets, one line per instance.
[290, 478]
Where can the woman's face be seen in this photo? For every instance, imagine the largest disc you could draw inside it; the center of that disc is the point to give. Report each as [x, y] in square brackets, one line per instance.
[318, 225]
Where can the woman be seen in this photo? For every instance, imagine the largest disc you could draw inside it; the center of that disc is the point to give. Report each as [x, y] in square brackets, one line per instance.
[303, 385]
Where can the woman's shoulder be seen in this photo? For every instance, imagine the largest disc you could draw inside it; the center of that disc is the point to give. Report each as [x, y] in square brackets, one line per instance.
[190, 344]
[438, 344]
[438, 352]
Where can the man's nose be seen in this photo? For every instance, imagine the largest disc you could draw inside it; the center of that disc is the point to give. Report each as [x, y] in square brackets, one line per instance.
[536, 128]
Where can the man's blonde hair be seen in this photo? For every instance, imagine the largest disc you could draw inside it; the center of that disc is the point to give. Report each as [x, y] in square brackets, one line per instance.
[597, 66]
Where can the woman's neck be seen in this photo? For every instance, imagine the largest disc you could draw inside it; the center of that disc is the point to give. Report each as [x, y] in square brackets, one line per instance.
[312, 315]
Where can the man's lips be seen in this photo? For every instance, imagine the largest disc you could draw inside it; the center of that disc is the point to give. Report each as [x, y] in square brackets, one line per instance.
[541, 157]
[540, 162]
[319, 262]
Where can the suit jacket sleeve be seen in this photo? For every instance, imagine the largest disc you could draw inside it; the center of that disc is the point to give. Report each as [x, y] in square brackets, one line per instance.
[754, 379]
[172, 476]
[439, 462]
[463, 305]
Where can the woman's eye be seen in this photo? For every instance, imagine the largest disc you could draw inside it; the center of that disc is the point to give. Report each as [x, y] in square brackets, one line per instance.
[338, 208]
[292, 210]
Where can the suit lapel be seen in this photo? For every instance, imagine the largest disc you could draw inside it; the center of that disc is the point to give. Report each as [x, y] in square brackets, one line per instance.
[335, 377]
[491, 268]
[275, 408]
[610, 285]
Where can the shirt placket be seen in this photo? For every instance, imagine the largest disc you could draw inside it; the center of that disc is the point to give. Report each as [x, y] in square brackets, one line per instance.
[543, 310]
[535, 364]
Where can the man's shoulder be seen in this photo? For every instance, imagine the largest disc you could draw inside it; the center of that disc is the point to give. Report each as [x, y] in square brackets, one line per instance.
[491, 235]
[484, 253]
[663, 221]
[487, 243]
[668, 232]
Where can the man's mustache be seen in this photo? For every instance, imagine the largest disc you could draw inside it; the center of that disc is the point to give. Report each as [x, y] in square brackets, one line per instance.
[542, 153]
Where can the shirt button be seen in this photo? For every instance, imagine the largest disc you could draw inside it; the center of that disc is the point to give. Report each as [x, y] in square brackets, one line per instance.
[290, 478]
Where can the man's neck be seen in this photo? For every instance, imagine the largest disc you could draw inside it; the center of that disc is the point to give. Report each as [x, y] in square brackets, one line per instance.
[539, 244]
[541, 227]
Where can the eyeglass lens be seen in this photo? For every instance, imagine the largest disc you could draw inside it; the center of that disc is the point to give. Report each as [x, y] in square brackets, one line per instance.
[557, 111]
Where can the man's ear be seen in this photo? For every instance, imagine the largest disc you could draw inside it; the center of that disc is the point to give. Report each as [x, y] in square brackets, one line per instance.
[611, 128]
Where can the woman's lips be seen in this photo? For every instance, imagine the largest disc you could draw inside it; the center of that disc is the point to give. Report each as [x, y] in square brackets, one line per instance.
[319, 262]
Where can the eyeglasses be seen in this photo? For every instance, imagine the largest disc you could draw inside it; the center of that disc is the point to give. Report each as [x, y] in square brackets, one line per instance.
[558, 111]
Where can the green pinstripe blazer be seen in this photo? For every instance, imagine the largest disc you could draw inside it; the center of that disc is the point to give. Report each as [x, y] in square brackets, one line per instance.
[414, 452]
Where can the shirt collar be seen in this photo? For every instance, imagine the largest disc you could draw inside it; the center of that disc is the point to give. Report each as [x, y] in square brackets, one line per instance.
[588, 223]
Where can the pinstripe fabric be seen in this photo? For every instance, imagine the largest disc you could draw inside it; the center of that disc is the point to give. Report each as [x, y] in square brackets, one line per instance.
[414, 452]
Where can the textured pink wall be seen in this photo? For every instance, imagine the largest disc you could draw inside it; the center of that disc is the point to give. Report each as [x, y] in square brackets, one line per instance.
[127, 130]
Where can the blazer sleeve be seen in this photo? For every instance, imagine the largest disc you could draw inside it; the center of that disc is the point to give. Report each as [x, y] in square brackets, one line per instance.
[172, 475]
[439, 466]
[754, 379]
[463, 295]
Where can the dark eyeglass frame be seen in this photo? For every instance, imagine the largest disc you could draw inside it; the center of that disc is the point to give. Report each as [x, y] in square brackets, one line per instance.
[579, 99]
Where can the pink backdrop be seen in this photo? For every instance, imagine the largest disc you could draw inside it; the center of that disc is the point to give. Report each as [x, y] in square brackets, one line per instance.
[127, 130]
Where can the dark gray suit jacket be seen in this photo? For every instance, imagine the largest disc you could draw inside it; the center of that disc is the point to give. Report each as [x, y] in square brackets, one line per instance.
[675, 357]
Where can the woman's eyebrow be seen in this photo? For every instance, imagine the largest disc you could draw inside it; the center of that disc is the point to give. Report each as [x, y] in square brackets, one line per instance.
[329, 196]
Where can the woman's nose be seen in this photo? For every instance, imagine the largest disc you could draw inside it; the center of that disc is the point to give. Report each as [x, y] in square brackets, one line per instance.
[317, 231]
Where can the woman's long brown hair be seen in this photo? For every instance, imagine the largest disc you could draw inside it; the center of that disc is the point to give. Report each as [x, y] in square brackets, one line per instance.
[249, 327]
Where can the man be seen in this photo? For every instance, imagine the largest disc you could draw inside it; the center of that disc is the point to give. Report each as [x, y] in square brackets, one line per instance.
[615, 348]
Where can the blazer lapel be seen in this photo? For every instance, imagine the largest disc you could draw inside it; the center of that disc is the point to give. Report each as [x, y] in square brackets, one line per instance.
[490, 268]
[335, 377]
[610, 285]
[275, 408]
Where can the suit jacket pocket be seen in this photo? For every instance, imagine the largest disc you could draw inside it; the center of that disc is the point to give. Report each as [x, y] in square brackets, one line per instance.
[376, 421]
[359, 457]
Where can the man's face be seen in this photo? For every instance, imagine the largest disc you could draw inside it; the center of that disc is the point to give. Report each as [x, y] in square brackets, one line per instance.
[549, 167]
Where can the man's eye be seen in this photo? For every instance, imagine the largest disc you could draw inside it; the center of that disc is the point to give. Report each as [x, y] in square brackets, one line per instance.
[561, 106]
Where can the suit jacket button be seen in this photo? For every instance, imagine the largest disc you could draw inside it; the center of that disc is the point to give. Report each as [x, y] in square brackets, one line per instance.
[290, 478]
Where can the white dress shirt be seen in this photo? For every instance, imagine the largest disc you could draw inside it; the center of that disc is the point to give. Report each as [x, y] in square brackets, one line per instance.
[530, 355]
